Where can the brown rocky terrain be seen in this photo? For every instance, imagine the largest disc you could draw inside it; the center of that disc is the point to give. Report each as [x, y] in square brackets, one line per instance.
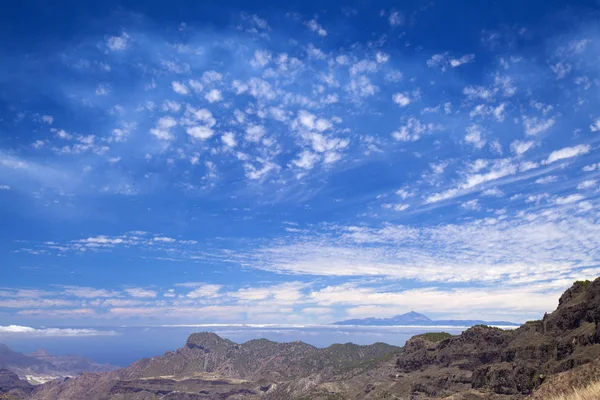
[539, 359]
[212, 367]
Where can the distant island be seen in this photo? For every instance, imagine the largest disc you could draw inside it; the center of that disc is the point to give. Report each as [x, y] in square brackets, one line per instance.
[414, 318]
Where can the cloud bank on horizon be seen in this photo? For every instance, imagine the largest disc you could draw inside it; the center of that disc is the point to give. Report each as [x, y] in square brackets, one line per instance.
[298, 165]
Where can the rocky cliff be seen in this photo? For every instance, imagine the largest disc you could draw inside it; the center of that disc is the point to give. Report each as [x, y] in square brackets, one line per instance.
[511, 363]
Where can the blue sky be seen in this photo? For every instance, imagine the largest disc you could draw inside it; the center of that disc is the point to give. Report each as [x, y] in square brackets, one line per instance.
[296, 162]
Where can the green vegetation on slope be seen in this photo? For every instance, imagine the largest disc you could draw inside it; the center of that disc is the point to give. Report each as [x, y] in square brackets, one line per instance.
[435, 336]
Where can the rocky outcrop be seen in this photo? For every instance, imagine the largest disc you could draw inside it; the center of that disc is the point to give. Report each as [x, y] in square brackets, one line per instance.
[514, 362]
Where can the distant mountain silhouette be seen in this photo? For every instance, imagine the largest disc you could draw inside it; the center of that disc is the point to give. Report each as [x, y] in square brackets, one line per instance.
[414, 318]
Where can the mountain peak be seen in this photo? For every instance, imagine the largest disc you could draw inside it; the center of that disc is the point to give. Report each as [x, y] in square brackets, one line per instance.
[207, 341]
[415, 316]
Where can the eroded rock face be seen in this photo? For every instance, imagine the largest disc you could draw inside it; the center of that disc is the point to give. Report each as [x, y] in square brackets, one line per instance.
[516, 362]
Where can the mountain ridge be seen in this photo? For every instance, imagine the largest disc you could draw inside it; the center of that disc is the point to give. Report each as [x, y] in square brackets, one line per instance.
[415, 318]
[481, 363]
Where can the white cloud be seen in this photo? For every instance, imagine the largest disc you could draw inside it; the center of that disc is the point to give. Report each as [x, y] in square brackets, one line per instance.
[278, 114]
[363, 66]
[315, 52]
[457, 62]
[499, 112]
[507, 302]
[528, 165]
[499, 169]
[201, 115]
[396, 19]
[402, 99]
[209, 77]
[261, 58]
[361, 86]
[573, 198]
[595, 126]
[171, 105]
[162, 129]
[493, 192]
[321, 144]
[102, 90]
[404, 194]
[179, 88]
[590, 183]
[561, 69]
[474, 136]
[118, 43]
[4, 187]
[200, 132]
[447, 107]
[396, 207]
[310, 121]
[471, 205]
[314, 26]
[534, 126]
[413, 130]
[205, 291]
[519, 147]
[47, 119]
[141, 293]
[254, 173]
[496, 147]
[436, 60]
[16, 330]
[478, 92]
[567, 152]
[254, 133]
[306, 160]
[331, 157]
[438, 168]
[546, 179]
[393, 76]
[228, 139]
[177, 68]
[443, 60]
[213, 96]
[518, 250]
[166, 123]
[381, 57]
[196, 86]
